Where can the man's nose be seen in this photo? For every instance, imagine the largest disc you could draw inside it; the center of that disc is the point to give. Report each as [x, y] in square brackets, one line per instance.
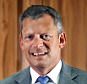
[38, 42]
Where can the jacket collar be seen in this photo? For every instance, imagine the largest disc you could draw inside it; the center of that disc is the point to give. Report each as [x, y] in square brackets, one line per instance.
[67, 75]
[24, 77]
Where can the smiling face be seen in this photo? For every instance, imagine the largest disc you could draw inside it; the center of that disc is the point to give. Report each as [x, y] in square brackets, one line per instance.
[40, 42]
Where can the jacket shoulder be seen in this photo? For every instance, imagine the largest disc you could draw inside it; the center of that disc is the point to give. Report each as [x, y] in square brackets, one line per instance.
[79, 72]
[81, 77]
[11, 79]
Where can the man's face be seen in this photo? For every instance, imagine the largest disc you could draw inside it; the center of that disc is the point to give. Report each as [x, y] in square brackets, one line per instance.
[40, 42]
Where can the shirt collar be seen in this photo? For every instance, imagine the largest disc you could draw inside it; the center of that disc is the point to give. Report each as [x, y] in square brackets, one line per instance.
[53, 74]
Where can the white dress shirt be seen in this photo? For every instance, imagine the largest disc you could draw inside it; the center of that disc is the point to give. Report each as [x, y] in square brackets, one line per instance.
[53, 74]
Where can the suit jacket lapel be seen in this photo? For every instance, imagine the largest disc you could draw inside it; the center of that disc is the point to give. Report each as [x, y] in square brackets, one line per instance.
[24, 77]
[67, 75]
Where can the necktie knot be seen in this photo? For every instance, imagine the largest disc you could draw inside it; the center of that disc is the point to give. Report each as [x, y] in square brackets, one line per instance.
[43, 79]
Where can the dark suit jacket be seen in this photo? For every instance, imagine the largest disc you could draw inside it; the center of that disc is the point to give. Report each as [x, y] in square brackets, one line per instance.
[68, 75]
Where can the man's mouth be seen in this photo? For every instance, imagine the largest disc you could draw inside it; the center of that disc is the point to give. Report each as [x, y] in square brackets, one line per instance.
[39, 54]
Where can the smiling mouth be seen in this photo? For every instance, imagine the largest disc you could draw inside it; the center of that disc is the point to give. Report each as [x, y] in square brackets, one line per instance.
[39, 54]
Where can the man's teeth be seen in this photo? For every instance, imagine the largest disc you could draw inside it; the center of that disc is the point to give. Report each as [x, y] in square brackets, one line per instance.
[35, 53]
[42, 53]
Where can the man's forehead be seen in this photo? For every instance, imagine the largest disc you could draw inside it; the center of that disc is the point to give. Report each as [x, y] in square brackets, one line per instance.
[43, 23]
[45, 18]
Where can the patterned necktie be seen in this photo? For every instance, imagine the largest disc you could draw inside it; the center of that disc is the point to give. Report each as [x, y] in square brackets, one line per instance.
[43, 80]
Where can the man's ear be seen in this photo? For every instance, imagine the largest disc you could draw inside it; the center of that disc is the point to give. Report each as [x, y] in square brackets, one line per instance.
[62, 39]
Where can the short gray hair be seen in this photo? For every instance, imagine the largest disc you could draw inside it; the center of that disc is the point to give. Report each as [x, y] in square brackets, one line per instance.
[37, 11]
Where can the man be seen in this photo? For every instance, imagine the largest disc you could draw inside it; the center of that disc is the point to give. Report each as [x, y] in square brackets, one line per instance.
[41, 40]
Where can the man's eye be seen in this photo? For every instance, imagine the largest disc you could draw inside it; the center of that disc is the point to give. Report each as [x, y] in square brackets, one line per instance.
[45, 36]
[29, 37]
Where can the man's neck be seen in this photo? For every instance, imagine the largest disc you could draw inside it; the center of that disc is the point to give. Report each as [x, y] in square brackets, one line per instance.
[53, 74]
[44, 70]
